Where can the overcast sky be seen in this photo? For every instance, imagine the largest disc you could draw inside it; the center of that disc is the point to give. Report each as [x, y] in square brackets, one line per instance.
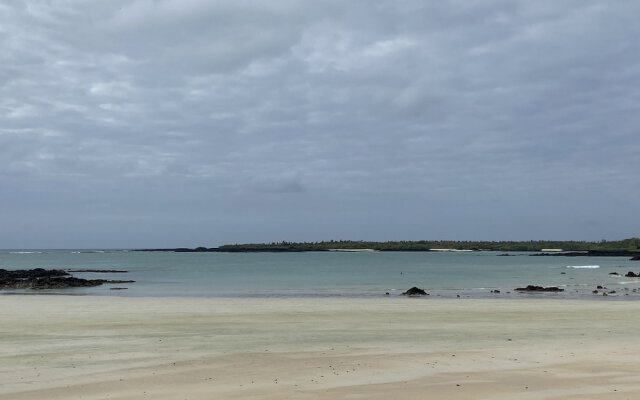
[145, 123]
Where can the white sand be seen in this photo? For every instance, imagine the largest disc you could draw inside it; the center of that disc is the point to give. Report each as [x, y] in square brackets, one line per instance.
[62, 347]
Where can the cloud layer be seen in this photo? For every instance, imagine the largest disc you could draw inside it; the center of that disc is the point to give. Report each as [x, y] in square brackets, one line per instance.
[186, 122]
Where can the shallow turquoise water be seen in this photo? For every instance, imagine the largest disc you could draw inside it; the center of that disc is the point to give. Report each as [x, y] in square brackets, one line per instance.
[319, 274]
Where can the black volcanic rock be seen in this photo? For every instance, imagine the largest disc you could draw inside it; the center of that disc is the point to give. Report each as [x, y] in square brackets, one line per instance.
[632, 274]
[35, 273]
[415, 291]
[534, 288]
[40, 278]
[102, 271]
[196, 250]
[182, 250]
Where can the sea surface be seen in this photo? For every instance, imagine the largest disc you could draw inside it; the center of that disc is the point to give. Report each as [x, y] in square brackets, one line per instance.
[333, 274]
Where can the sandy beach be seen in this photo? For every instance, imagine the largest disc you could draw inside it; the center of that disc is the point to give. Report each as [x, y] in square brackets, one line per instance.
[65, 347]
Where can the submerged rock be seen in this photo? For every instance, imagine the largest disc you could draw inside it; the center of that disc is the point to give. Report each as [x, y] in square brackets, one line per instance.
[415, 291]
[534, 288]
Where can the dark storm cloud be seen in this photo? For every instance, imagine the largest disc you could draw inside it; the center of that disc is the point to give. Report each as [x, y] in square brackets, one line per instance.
[180, 122]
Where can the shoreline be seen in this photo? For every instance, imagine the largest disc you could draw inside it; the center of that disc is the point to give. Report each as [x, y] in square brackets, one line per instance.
[61, 347]
[634, 254]
[625, 291]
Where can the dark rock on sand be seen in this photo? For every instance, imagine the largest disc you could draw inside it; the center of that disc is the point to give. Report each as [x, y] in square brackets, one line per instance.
[533, 288]
[632, 274]
[414, 291]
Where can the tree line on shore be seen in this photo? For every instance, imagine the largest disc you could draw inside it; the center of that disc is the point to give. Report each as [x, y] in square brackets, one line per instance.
[631, 244]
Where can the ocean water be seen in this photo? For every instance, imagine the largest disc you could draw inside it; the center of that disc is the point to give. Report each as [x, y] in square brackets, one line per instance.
[333, 274]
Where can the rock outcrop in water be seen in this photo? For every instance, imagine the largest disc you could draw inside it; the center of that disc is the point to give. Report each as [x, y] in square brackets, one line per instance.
[534, 288]
[40, 278]
[590, 253]
[415, 291]
[101, 271]
[29, 274]
[632, 274]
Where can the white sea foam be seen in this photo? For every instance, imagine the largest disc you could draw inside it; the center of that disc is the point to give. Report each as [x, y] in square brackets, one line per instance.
[583, 266]
[25, 252]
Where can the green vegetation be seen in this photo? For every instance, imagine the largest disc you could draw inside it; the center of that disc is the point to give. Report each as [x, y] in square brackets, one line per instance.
[632, 244]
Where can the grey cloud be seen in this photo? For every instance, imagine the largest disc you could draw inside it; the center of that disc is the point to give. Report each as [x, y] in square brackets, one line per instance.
[316, 120]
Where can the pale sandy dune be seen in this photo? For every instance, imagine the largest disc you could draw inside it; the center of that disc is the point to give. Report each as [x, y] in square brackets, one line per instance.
[59, 347]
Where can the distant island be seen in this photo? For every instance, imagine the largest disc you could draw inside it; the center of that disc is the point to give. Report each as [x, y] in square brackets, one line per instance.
[626, 247]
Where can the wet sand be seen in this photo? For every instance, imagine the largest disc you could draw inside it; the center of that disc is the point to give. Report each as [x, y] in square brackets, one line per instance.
[64, 347]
